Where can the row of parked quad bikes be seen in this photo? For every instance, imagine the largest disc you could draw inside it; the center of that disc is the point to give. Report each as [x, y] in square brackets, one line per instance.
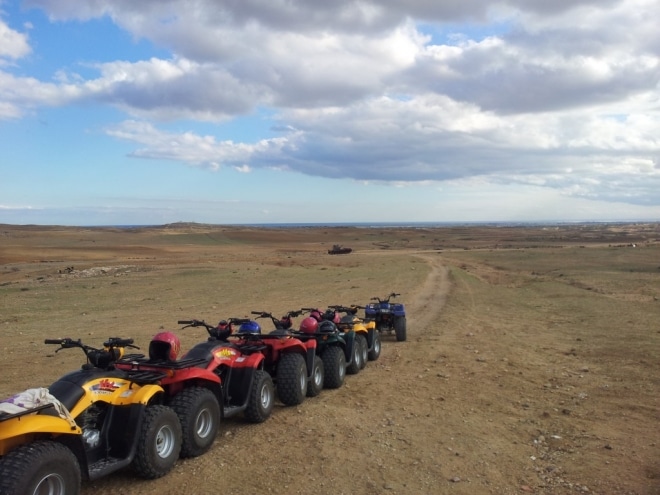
[123, 409]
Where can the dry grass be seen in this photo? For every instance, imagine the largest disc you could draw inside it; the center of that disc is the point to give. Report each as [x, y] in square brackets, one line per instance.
[532, 365]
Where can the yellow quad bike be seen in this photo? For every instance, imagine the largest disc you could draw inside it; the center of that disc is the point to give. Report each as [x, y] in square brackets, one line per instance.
[367, 337]
[87, 424]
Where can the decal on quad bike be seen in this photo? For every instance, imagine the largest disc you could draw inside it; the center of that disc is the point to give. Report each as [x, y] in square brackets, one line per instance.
[225, 353]
[106, 385]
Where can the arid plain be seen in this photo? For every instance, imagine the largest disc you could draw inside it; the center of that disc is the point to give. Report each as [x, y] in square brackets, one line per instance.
[532, 363]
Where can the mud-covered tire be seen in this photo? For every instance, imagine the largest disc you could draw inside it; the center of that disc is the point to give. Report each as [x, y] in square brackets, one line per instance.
[199, 413]
[291, 379]
[374, 353]
[400, 328]
[262, 398]
[353, 367]
[159, 443]
[362, 349]
[40, 467]
[315, 384]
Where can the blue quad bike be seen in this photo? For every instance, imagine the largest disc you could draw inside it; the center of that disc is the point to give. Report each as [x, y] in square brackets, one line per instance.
[389, 316]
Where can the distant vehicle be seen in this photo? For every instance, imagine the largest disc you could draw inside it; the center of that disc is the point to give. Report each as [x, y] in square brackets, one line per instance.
[337, 249]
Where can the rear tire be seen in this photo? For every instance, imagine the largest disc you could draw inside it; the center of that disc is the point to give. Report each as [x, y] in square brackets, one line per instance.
[362, 349]
[334, 366]
[291, 379]
[374, 353]
[199, 413]
[315, 385]
[159, 443]
[400, 328]
[353, 367]
[262, 398]
[40, 467]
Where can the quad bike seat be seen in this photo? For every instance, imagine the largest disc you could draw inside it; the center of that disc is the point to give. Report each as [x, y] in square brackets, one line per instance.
[281, 332]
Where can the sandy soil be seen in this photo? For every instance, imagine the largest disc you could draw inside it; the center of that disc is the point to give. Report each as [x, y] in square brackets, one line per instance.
[501, 387]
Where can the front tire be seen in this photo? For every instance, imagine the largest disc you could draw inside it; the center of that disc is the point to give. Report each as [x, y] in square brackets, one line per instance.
[159, 442]
[334, 366]
[400, 328]
[40, 467]
[315, 385]
[199, 413]
[291, 379]
[374, 353]
[262, 398]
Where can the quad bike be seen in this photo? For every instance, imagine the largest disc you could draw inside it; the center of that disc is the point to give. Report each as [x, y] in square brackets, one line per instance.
[329, 327]
[388, 316]
[87, 424]
[366, 334]
[212, 381]
[330, 348]
[289, 361]
[283, 327]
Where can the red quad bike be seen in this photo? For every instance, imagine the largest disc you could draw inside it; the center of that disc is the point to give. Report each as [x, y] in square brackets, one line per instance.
[289, 361]
[330, 325]
[87, 424]
[212, 381]
[284, 328]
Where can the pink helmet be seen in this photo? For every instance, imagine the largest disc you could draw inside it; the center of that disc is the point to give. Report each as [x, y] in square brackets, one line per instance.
[164, 346]
[309, 325]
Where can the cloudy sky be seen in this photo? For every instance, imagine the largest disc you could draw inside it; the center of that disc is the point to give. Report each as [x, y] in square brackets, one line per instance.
[117, 112]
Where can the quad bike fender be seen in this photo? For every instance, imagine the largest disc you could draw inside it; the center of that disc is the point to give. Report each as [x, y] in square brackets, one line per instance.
[23, 429]
[115, 391]
[309, 360]
[349, 337]
[254, 361]
[188, 374]
[371, 337]
[145, 394]
[398, 310]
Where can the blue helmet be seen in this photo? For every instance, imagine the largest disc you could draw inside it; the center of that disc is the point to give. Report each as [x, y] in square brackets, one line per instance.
[249, 327]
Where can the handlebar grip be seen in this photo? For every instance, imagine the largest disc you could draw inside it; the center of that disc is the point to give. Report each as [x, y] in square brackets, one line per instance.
[185, 322]
[258, 312]
[53, 341]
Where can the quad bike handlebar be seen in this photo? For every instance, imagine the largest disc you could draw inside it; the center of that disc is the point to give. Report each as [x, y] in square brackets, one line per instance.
[283, 323]
[113, 349]
[344, 309]
[221, 331]
[385, 299]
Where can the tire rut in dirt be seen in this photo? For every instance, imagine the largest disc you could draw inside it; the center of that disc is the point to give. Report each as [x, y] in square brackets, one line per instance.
[291, 379]
[199, 413]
